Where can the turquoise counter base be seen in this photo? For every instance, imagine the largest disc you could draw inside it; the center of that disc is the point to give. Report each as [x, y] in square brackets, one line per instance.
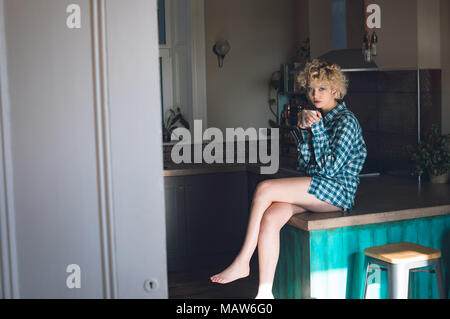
[329, 263]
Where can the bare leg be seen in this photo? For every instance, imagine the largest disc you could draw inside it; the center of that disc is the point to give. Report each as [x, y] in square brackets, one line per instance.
[287, 190]
[275, 217]
[240, 267]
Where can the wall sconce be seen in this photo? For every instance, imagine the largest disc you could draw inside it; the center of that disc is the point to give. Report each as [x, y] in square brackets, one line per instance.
[221, 49]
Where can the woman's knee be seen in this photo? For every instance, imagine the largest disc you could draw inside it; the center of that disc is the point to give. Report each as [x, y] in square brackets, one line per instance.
[263, 189]
[288, 190]
[275, 217]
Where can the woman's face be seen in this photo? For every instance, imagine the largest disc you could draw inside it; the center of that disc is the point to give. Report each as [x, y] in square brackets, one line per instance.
[322, 95]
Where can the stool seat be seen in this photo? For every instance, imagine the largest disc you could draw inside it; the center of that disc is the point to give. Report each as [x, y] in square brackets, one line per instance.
[400, 260]
[402, 253]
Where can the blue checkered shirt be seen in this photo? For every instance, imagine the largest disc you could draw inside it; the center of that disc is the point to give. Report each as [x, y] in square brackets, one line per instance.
[333, 152]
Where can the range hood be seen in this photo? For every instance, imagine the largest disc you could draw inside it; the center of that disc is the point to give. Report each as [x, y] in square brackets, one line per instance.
[349, 59]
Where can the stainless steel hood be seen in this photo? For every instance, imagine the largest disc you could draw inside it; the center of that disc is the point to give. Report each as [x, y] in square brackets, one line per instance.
[350, 59]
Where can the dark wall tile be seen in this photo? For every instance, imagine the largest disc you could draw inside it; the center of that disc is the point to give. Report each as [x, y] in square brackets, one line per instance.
[430, 99]
[372, 143]
[398, 113]
[397, 81]
[363, 81]
[392, 155]
[365, 108]
[430, 111]
[430, 81]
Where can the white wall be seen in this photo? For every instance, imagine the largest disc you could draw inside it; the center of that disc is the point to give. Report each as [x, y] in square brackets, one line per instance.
[81, 136]
[429, 34]
[301, 8]
[320, 27]
[262, 35]
[398, 42]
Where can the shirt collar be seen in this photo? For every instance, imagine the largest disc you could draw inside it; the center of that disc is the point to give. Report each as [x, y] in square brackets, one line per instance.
[338, 108]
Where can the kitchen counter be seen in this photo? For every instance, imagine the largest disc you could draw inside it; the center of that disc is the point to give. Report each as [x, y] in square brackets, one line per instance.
[322, 254]
[383, 199]
[378, 199]
[202, 168]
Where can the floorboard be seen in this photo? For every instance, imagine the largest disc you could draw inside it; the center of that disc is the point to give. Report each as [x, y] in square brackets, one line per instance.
[197, 285]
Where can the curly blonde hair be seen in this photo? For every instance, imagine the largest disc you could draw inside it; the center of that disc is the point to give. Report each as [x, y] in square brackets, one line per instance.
[324, 72]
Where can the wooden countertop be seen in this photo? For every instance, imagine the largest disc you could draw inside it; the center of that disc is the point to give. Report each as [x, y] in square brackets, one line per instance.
[383, 199]
[378, 199]
[202, 168]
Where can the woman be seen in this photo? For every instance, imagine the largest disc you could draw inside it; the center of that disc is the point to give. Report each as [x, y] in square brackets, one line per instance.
[332, 154]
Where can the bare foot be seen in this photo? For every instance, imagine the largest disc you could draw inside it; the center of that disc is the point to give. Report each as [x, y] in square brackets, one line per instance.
[264, 296]
[264, 292]
[233, 272]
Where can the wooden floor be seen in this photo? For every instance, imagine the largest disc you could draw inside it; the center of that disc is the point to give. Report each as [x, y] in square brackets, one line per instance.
[197, 285]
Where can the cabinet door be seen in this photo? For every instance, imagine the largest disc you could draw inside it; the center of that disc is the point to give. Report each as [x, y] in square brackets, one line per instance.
[206, 218]
[175, 218]
[217, 211]
[235, 207]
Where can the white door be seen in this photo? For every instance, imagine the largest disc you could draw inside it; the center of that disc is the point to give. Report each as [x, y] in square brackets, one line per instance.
[81, 171]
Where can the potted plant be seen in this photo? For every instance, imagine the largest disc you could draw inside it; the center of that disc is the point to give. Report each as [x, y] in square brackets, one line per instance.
[432, 155]
[169, 125]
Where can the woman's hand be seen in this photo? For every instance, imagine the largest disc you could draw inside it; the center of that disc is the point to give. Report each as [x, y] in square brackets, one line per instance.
[311, 118]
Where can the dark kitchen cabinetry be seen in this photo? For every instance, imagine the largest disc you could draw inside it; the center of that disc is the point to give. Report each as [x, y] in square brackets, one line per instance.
[206, 218]
[175, 218]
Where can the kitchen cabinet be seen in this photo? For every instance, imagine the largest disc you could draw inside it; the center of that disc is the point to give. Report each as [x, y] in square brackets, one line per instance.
[206, 218]
[175, 218]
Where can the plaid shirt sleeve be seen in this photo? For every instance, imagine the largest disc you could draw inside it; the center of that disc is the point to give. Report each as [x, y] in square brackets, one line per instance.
[331, 155]
[305, 151]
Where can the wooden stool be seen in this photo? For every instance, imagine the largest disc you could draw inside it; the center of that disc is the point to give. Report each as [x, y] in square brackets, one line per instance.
[399, 260]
